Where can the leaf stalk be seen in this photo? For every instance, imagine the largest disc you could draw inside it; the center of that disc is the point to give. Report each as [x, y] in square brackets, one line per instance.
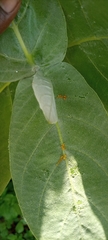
[19, 37]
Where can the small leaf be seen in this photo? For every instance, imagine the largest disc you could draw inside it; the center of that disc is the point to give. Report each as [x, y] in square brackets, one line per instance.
[43, 91]
[19, 227]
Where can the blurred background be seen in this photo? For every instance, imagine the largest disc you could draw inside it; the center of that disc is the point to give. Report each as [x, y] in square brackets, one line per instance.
[12, 224]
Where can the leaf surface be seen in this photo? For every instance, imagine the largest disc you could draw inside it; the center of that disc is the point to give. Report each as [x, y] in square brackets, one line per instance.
[87, 23]
[3, 86]
[5, 113]
[67, 199]
[42, 32]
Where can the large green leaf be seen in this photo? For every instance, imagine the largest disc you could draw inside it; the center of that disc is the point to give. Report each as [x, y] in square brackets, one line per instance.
[87, 23]
[42, 38]
[66, 200]
[5, 113]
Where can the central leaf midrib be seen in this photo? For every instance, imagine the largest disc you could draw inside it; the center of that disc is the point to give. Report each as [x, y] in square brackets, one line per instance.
[86, 40]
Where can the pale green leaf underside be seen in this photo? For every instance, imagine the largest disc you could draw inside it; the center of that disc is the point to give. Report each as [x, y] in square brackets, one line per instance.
[13, 70]
[42, 37]
[66, 200]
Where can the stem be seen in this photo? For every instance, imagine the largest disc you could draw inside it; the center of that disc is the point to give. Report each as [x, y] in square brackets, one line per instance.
[63, 157]
[61, 139]
[59, 133]
[18, 35]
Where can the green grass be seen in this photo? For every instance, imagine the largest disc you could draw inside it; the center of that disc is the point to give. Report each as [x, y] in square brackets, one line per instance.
[12, 224]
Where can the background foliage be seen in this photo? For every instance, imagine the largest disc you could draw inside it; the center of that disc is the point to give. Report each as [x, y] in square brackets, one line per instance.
[12, 224]
[66, 200]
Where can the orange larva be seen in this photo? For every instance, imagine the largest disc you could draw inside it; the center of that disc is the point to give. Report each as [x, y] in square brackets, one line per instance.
[62, 96]
[63, 146]
[63, 157]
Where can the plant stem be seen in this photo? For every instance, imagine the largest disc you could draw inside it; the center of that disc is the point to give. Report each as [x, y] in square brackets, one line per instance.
[61, 139]
[18, 35]
[63, 156]
[59, 133]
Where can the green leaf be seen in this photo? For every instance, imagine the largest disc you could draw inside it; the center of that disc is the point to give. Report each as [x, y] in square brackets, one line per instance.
[39, 36]
[19, 227]
[12, 237]
[5, 113]
[61, 199]
[87, 24]
[3, 86]
[47, 38]
[13, 69]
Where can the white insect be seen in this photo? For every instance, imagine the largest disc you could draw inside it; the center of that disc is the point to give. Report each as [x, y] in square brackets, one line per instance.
[43, 91]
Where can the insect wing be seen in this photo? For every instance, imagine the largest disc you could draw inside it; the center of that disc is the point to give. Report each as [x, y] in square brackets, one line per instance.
[43, 91]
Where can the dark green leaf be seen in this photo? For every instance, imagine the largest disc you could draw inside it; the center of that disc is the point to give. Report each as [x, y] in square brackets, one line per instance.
[19, 227]
[87, 23]
[5, 113]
